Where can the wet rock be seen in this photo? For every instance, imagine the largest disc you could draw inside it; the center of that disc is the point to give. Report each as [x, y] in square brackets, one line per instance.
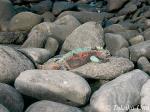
[84, 16]
[89, 34]
[108, 70]
[10, 98]
[3, 109]
[115, 42]
[49, 106]
[52, 45]
[123, 52]
[37, 55]
[138, 50]
[145, 97]
[144, 64]
[122, 91]
[7, 9]
[12, 63]
[60, 6]
[114, 28]
[12, 37]
[24, 21]
[115, 4]
[48, 17]
[137, 39]
[42, 6]
[55, 85]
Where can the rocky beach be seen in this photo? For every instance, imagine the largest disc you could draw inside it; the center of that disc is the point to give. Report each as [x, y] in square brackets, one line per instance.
[74, 55]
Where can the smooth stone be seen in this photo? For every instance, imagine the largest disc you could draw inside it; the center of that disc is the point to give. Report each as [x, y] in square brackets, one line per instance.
[12, 63]
[37, 55]
[114, 28]
[145, 97]
[137, 39]
[115, 4]
[123, 52]
[90, 34]
[52, 45]
[42, 6]
[10, 98]
[56, 85]
[49, 106]
[24, 21]
[60, 6]
[141, 49]
[108, 70]
[7, 9]
[124, 91]
[144, 64]
[115, 42]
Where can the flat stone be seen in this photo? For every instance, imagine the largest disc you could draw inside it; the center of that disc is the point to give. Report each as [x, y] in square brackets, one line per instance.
[61, 86]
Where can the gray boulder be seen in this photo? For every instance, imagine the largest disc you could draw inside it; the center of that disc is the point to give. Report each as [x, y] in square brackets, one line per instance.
[49, 106]
[108, 70]
[55, 85]
[10, 98]
[124, 91]
[138, 50]
[146, 34]
[90, 34]
[115, 42]
[7, 11]
[37, 55]
[12, 63]
[24, 21]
